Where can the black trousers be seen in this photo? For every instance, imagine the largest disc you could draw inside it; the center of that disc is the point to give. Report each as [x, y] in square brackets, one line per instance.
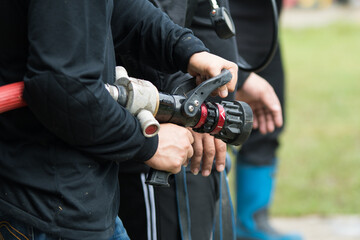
[151, 213]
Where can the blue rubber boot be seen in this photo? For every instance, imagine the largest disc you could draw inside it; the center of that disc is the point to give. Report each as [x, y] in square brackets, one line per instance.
[255, 185]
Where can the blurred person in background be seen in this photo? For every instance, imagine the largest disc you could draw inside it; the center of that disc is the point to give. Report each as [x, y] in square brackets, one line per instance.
[257, 160]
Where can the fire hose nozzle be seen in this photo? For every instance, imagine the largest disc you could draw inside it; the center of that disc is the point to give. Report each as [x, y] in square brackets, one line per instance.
[142, 100]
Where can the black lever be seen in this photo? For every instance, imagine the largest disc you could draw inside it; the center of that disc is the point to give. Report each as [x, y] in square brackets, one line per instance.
[197, 96]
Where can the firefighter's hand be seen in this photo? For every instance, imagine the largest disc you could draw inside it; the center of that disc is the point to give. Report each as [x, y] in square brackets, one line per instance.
[174, 149]
[261, 97]
[205, 65]
[206, 147]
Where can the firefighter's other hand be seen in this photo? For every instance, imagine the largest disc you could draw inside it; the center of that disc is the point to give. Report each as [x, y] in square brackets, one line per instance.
[261, 97]
[174, 149]
[206, 148]
[205, 65]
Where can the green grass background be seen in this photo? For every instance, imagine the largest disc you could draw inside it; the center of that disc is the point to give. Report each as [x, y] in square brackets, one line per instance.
[319, 167]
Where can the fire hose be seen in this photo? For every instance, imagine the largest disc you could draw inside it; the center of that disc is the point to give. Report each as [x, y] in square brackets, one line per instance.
[186, 105]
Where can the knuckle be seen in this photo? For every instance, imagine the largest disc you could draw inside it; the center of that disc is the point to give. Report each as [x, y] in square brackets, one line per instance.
[190, 153]
[176, 170]
[233, 65]
[221, 147]
[185, 143]
[178, 164]
[199, 148]
[210, 152]
[197, 154]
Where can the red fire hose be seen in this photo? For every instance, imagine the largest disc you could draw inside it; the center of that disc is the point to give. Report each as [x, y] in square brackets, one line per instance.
[11, 96]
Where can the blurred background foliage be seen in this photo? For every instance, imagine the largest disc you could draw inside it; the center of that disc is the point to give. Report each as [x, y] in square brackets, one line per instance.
[319, 167]
[320, 148]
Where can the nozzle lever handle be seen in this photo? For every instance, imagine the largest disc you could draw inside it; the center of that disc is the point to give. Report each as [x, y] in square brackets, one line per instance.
[193, 103]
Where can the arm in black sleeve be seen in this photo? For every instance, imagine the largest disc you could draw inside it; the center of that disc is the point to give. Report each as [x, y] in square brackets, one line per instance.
[71, 55]
[143, 31]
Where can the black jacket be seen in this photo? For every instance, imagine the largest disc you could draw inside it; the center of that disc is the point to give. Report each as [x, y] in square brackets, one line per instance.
[59, 156]
[195, 15]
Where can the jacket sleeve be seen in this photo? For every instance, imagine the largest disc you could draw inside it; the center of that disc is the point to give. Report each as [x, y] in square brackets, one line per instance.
[146, 33]
[71, 55]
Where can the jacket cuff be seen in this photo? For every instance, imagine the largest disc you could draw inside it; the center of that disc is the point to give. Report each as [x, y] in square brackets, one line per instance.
[148, 149]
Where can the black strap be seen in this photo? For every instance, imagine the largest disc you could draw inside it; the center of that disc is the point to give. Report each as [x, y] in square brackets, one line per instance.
[224, 221]
[224, 225]
[183, 205]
